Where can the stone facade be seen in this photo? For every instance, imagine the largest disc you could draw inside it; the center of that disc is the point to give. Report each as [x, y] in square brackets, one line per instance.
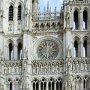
[44, 51]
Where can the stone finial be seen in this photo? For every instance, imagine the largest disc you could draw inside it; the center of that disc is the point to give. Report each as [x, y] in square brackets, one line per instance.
[47, 6]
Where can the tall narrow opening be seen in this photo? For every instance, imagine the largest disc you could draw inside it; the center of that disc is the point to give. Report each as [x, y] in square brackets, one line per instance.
[11, 13]
[49, 85]
[20, 51]
[37, 86]
[85, 48]
[60, 85]
[75, 49]
[33, 86]
[43, 84]
[19, 12]
[76, 20]
[85, 17]
[84, 84]
[10, 85]
[10, 51]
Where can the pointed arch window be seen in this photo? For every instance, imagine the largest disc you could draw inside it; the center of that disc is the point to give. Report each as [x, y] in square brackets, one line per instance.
[59, 85]
[51, 84]
[85, 17]
[10, 51]
[19, 12]
[10, 85]
[76, 20]
[20, 51]
[35, 85]
[75, 49]
[43, 84]
[84, 84]
[85, 48]
[11, 13]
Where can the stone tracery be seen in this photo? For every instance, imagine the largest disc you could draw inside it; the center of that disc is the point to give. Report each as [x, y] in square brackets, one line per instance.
[48, 50]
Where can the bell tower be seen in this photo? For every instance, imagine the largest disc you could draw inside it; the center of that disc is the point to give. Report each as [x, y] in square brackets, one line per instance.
[34, 5]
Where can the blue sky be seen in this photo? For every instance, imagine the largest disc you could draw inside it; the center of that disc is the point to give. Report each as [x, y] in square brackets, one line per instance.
[53, 4]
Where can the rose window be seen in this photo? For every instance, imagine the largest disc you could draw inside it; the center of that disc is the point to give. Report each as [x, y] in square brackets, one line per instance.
[48, 50]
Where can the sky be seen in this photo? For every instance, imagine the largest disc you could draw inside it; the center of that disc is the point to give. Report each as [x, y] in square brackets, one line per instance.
[53, 4]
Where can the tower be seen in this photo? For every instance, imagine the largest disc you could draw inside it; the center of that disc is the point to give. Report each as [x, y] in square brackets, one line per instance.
[46, 50]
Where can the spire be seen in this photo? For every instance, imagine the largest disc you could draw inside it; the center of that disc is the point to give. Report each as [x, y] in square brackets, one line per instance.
[48, 6]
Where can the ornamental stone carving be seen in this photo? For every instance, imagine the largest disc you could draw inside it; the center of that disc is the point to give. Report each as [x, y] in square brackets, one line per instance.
[48, 50]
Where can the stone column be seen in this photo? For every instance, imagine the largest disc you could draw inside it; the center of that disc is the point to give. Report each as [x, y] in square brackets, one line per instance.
[81, 20]
[47, 85]
[35, 8]
[72, 20]
[40, 86]
[13, 85]
[15, 18]
[81, 86]
[15, 50]
[81, 49]
[6, 52]
[55, 85]
[25, 46]
[73, 53]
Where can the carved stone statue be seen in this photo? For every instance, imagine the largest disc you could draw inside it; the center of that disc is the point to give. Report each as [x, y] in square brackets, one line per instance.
[25, 53]
[68, 52]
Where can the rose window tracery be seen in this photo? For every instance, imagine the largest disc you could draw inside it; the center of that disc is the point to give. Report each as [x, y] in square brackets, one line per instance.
[48, 50]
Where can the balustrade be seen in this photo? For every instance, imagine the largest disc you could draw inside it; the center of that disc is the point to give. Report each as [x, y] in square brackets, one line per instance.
[47, 67]
[78, 1]
[80, 65]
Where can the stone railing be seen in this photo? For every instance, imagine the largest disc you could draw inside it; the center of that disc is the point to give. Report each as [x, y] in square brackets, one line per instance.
[44, 67]
[46, 16]
[14, 66]
[79, 65]
[78, 2]
[47, 31]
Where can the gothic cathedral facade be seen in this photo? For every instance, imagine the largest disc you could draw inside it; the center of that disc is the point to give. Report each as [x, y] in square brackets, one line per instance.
[47, 50]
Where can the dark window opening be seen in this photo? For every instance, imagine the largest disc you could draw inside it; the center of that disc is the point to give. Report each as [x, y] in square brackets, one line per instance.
[11, 13]
[37, 86]
[76, 48]
[85, 47]
[10, 51]
[76, 20]
[10, 85]
[19, 12]
[33, 86]
[60, 85]
[49, 85]
[84, 84]
[85, 19]
[19, 51]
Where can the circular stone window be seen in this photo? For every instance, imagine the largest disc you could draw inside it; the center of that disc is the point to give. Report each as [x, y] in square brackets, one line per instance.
[48, 50]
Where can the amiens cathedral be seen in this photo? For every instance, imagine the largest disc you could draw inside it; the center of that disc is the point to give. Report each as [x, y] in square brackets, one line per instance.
[48, 50]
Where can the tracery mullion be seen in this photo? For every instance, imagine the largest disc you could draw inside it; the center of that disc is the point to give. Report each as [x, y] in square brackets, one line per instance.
[40, 86]
[43, 85]
[51, 85]
[35, 85]
[47, 85]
